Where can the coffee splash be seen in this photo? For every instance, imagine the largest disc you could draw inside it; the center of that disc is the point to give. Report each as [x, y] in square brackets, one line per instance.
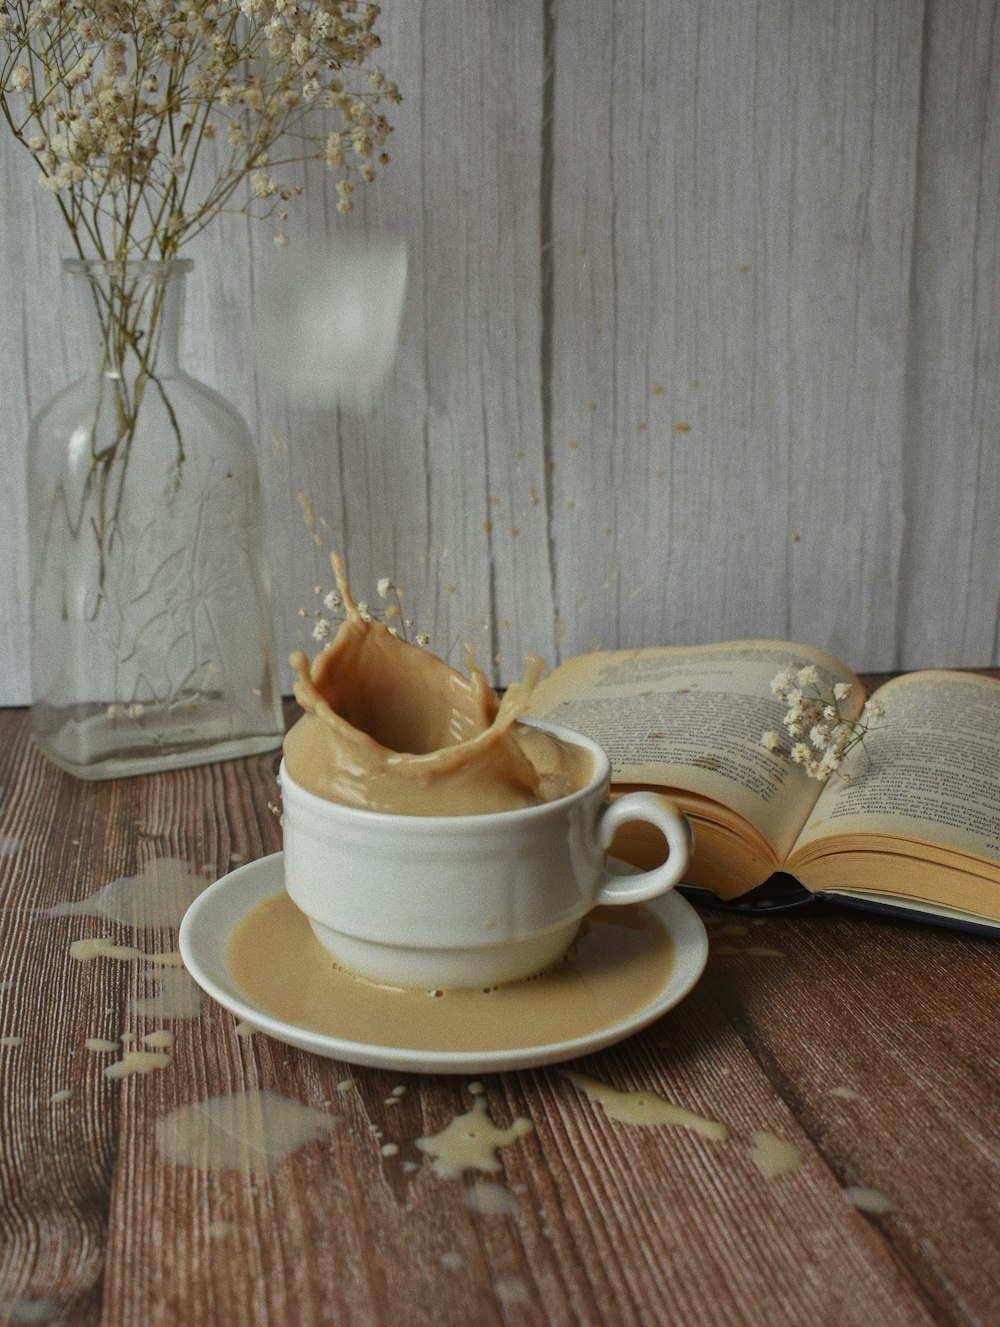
[389, 726]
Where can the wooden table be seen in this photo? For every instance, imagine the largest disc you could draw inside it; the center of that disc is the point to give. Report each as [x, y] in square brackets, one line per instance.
[869, 1046]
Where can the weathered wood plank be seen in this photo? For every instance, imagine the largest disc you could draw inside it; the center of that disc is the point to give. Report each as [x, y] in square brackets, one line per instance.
[951, 557]
[601, 1220]
[607, 1222]
[884, 1069]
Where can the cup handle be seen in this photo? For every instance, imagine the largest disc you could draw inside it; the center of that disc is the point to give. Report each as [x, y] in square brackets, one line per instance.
[654, 810]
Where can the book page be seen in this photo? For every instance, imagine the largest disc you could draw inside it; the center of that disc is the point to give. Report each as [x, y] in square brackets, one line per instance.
[691, 717]
[931, 770]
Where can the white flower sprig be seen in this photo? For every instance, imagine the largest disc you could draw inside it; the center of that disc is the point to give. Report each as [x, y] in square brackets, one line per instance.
[331, 613]
[117, 102]
[148, 119]
[817, 735]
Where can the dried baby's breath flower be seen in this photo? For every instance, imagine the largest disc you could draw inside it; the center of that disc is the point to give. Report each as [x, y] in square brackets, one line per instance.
[817, 732]
[123, 97]
[332, 612]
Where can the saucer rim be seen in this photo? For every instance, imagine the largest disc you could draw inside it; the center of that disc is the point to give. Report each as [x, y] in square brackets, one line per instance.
[203, 945]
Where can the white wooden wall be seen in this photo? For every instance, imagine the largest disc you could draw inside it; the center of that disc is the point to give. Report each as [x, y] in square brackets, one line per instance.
[701, 337]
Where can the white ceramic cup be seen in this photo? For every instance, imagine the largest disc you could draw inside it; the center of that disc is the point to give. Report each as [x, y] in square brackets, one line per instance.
[441, 902]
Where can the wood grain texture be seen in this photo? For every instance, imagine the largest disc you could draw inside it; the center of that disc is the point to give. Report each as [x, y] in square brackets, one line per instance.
[904, 1047]
[698, 342]
[868, 1045]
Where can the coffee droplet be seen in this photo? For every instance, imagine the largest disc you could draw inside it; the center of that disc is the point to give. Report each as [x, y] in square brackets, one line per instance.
[644, 1108]
[137, 1062]
[490, 1199]
[774, 1156]
[868, 1200]
[471, 1142]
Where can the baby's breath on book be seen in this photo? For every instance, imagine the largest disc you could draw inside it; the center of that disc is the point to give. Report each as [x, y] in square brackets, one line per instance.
[817, 733]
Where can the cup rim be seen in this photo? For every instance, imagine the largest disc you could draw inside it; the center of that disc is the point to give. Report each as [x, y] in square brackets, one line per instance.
[487, 819]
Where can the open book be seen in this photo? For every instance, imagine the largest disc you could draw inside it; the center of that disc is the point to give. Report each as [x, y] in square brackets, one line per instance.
[910, 822]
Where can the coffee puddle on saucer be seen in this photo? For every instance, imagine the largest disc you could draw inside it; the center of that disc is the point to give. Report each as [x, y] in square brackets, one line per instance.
[619, 962]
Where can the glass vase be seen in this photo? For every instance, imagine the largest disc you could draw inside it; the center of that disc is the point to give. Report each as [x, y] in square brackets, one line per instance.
[151, 634]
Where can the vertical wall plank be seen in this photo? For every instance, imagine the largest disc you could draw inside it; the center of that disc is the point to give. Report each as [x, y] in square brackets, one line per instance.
[435, 486]
[735, 186]
[17, 307]
[855, 159]
[951, 599]
[38, 356]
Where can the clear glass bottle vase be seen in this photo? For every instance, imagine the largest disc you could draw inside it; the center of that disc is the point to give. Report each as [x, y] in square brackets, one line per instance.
[151, 634]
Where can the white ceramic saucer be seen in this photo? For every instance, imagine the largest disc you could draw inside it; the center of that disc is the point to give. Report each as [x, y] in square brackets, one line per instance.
[209, 922]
